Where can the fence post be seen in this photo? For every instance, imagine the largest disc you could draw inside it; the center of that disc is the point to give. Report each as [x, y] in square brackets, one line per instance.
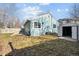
[12, 48]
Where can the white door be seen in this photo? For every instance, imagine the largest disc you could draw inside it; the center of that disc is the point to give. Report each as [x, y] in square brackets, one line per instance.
[74, 32]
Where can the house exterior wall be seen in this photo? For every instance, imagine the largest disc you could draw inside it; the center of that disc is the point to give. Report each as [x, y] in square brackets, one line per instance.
[34, 31]
[55, 30]
[59, 30]
[46, 22]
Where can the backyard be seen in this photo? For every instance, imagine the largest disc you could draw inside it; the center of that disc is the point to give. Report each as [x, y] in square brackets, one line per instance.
[47, 45]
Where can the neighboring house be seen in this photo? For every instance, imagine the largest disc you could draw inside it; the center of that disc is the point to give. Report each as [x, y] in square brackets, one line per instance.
[40, 25]
[69, 28]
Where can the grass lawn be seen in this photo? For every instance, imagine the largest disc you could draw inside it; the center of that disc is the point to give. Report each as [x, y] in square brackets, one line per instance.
[47, 45]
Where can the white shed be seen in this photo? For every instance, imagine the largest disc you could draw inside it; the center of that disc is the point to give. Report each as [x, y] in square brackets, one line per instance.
[69, 28]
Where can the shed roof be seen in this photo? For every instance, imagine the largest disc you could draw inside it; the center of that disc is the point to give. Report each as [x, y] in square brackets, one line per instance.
[68, 19]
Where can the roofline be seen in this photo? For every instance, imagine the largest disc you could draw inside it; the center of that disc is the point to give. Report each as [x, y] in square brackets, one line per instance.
[26, 22]
[45, 14]
[68, 19]
[33, 18]
[64, 19]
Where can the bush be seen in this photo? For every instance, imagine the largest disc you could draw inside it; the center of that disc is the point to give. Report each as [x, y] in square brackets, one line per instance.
[49, 33]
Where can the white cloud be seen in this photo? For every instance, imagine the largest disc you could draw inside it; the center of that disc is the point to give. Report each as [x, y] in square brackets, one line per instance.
[32, 10]
[24, 4]
[29, 11]
[44, 3]
[66, 9]
[58, 10]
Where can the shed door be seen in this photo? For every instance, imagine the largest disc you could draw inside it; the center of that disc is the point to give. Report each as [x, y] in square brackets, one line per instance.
[74, 32]
[67, 31]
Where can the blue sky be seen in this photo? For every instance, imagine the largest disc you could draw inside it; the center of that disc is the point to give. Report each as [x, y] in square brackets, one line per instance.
[25, 10]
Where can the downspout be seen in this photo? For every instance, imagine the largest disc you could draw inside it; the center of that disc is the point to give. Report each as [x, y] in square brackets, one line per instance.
[77, 32]
[30, 28]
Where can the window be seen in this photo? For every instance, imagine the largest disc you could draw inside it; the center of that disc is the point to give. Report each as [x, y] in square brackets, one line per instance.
[54, 26]
[37, 25]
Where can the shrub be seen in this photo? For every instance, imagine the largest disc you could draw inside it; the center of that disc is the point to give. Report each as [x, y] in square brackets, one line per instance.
[50, 33]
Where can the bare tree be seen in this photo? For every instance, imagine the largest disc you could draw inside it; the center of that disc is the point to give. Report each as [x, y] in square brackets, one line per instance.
[75, 11]
[7, 17]
[1, 25]
[2, 16]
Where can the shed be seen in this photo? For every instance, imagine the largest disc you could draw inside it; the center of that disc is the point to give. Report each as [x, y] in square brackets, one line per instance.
[69, 28]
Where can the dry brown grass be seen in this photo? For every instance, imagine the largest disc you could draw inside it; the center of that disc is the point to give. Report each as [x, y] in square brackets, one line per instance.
[26, 41]
[39, 45]
[22, 41]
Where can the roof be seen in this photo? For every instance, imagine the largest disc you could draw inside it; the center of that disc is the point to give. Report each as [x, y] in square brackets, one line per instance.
[44, 13]
[64, 19]
[39, 15]
[26, 22]
[68, 19]
[33, 18]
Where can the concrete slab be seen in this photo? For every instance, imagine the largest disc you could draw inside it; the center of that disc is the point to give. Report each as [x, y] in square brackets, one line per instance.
[68, 38]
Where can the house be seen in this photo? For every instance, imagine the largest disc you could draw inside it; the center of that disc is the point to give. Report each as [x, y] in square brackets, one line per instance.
[40, 25]
[69, 28]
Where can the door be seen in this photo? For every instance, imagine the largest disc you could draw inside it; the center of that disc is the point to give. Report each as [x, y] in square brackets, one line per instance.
[67, 31]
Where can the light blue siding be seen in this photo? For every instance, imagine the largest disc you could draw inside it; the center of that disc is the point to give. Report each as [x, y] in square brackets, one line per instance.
[46, 21]
[46, 25]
